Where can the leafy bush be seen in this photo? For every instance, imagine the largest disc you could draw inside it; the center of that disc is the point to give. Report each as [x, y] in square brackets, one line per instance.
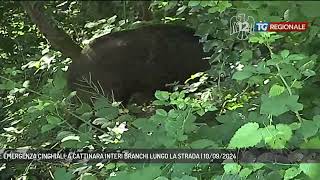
[260, 93]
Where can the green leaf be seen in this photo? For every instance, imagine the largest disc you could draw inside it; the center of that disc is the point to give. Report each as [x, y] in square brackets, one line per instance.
[161, 178]
[291, 173]
[246, 136]
[246, 55]
[276, 136]
[295, 57]
[100, 121]
[146, 173]
[245, 172]
[146, 125]
[308, 128]
[162, 95]
[47, 127]
[62, 174]
[63, 134]
[105, 110]
[310, 8]
[60, 80]
[276, 90]
[316, 119]
[313, 143]
[277, 105]
[309, 73]
[161, 112]
[203, 143]
[242, 75]
[53, 120]
[311, 169]
[71, 137]
[193, 3]
[284, 54]
[88, 176]
[232, 168]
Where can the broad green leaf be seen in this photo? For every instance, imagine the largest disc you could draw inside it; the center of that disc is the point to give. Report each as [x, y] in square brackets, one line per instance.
[88, 176]
[62, 174]
[53, 120]
[284, 54]
[63, 134]
[276, 136]
[276, 90]
[162, 95]
[277, 105]
[308, 128]
[309, 72]
[313, 143]
[246, 55]
[71, 137]
[245, 172]
[146, 173]
[146, 125]
[311, 169]
[241, 75]
[47, 127]
[161, 112]
[231, 168]
[193, 3]
[291, 173]
[295, 57]
[203, 143]
[247, 135]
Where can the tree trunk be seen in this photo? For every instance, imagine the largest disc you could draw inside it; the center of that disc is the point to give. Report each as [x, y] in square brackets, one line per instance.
[58, 38]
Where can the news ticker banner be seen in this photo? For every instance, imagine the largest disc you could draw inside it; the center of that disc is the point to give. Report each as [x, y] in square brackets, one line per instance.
[164, 156]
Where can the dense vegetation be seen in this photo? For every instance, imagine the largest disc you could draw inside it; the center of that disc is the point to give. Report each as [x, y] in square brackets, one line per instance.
[262, 92]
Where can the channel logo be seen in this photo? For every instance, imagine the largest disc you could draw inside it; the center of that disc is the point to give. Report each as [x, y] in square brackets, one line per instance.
[280, 26]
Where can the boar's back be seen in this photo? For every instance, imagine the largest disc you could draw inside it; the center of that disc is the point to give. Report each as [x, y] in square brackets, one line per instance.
[141, 60]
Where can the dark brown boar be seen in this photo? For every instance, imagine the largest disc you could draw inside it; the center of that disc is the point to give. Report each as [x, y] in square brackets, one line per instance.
[139, 61]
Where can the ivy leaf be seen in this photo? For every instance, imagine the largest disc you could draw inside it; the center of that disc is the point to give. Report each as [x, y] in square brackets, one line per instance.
[276, 90]
[291, 173]
[247, 135]
[62, 174]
